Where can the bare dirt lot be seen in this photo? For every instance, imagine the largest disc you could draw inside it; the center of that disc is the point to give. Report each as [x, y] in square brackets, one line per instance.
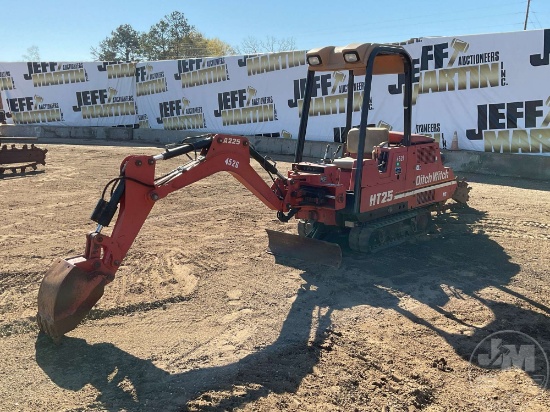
[200, 317]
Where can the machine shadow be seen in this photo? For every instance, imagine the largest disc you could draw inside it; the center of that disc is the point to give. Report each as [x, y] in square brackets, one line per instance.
[10, 176]
[463, 262]
[127, 382]
[459, 263]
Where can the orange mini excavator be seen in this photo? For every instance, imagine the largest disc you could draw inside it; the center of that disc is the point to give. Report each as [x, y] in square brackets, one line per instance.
[380, 192]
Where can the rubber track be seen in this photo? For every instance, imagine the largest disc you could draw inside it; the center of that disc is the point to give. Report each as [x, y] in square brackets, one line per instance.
[357, 241]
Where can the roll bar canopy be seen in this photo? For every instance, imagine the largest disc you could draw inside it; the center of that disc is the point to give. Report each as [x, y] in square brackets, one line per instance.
[354, 57]
[357, 59]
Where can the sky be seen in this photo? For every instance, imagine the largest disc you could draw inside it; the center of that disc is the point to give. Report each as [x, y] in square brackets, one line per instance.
[66, 30]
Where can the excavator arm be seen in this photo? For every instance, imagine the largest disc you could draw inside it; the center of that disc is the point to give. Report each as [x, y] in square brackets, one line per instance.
[72, 286]
[137, 191]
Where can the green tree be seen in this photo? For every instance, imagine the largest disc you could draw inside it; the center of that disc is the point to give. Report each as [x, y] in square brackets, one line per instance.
[174, 38]
[156, 44]
[179, 31]
[171, 38]
[122, 45]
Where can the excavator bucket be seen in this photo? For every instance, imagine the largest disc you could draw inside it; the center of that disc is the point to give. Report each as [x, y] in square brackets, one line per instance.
[304, 248]
[66, 295]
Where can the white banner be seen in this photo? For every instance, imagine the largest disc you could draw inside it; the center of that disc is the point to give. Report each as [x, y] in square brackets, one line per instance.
[68, 94]
[481, 92]
[491, 92]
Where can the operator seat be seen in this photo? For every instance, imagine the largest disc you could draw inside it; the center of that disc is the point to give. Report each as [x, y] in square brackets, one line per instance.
[374, 136]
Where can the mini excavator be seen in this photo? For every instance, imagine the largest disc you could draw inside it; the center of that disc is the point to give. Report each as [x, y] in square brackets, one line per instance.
[381, 191]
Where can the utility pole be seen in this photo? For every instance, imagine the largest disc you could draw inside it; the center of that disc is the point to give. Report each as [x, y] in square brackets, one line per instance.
[526, 15]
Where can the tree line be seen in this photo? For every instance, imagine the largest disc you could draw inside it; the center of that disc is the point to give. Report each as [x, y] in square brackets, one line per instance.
[173, 37]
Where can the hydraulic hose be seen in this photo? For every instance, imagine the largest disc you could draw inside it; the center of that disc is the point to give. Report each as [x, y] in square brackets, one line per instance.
[184, 148]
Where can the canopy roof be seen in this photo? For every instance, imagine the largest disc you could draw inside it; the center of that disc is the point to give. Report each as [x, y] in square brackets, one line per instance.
[332, 58]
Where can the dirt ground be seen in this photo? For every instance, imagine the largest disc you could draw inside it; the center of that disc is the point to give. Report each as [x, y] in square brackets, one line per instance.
[201, 318]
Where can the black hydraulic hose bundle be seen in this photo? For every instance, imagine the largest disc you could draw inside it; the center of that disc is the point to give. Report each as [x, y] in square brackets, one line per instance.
[185, 148]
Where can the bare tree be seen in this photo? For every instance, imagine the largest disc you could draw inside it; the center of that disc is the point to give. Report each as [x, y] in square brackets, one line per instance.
[33, 54]
[252, 45]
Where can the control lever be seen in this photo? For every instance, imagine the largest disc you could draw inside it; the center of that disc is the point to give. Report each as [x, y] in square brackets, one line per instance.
[326, 158]
[335, 153]
[329, 159]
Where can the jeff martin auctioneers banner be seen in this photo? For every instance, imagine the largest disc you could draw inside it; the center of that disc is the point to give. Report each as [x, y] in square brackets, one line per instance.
[491, 92]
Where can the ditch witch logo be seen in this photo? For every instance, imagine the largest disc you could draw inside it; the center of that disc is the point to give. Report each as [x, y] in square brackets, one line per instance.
[265, 63]
[242, 107]
[148, 82]
[6, 81]
[513, 127]
[26, 110]
[329, 95]
[179, 115]
[434, 71]
[53, 73]
[116, 70]
[196, 72]
[103, 103]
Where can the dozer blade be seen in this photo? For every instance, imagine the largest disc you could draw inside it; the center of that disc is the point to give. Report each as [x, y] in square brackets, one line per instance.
[304, 248]
[462, 192]
[66, 295]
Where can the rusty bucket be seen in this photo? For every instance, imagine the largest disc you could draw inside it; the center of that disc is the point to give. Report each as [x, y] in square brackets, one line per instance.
[66, 295]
